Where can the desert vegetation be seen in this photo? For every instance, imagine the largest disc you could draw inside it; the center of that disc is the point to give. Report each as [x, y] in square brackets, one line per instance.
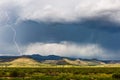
[25, 68]
[60, 73]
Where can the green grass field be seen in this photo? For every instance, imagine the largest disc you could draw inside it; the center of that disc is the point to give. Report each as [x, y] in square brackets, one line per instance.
[81, 73]
[29, 69]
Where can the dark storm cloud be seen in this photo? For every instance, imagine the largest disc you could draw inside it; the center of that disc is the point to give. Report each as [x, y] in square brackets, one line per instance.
[88, 27]
[99, 31]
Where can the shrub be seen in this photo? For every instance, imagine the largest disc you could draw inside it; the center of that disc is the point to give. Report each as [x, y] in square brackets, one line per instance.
[16, 73]
[116, 75]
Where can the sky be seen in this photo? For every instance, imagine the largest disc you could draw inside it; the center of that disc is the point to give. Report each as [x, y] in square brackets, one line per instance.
[72, 28]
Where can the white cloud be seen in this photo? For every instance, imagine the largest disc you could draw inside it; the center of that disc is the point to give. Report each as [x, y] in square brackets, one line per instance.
[67, 49]
[60, 10]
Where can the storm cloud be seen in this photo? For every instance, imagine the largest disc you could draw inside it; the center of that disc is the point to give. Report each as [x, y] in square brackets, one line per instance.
[42, 27]
[59, 10]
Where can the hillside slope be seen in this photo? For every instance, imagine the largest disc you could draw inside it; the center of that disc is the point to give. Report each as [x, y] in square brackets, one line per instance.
[23, 61]
[73, 62]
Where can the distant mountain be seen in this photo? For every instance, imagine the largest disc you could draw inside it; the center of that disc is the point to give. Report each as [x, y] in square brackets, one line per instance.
[73, 62]
[7, 58]
[27, 61]
[36, 57]
[42, 58]
[53, 59]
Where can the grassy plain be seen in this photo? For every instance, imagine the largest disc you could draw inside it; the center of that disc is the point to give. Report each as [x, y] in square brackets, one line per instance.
[29, 69]
[60, 73]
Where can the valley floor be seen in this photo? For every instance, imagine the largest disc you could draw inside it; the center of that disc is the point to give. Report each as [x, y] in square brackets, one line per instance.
[60, 73]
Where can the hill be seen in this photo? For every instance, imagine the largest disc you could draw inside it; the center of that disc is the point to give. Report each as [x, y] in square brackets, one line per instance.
[38, 60]
[23, 62]
[77, 62]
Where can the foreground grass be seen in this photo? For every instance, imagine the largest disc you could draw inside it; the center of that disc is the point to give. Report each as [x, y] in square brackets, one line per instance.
[60, 73]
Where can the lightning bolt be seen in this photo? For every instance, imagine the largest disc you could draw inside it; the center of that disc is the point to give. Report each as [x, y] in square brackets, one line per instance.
[14, 32]
[14, 40]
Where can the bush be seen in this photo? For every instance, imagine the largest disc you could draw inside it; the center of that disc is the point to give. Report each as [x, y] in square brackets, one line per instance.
[116, 75]
[16, 73]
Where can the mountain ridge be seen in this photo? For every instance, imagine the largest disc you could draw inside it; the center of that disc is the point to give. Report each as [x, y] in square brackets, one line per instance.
[41, 58]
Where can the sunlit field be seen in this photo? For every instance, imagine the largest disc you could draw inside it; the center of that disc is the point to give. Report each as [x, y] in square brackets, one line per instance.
[61, 73]
[29, 69]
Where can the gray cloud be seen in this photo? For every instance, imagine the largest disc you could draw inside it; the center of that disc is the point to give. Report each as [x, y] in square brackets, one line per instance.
[8, 49]
[101, 32]
[59, 10]
[93, 25]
